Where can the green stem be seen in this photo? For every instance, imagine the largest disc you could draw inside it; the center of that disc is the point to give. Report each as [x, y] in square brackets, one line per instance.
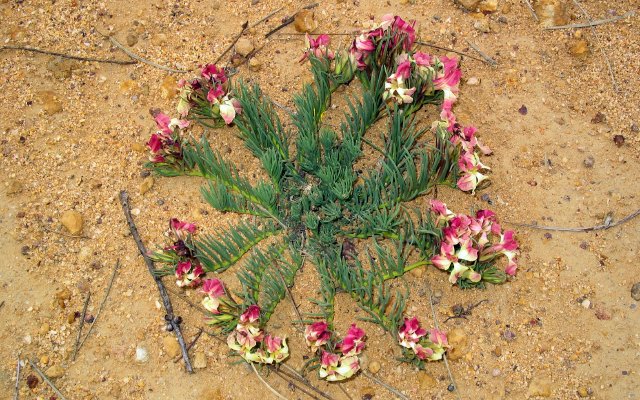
[407, 268]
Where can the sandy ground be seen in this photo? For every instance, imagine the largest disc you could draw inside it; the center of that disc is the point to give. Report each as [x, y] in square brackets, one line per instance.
[73, 135]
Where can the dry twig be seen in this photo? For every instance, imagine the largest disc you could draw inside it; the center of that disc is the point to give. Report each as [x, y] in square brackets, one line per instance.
[287, 21]
[451, 50]
[593, 22]
[44, 378]
[275, 392]
[486, 57]
[53, 53]
[293, 374]
[82, 317]
[16, 394]
[104, 300]
[444, 356]
[193, 342]
[291, 383]
[385, 385]
[604, 54]
[170, 317]
[533, 12]
[1, 303]
[608, 224]
[233, 42]
[187, 301]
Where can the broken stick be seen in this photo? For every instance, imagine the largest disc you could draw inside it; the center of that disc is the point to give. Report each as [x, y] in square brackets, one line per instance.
[169, 317]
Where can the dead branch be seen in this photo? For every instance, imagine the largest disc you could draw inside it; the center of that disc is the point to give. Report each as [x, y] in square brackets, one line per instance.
[104, 300]
[287, 21]
[44, 378]
[271, 389]
[593, 23]
[533, 12]
[82, 317]
[486, 57]
[193, 342]
[53, 53]
[385, 385]
[602, 227]
[291, 383]
[170, 317]
[16, 394]
[451, 50]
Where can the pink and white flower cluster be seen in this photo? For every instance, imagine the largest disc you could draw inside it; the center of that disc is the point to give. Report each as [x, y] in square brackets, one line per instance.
[425, 345]
[382, 43]
[469, 241]
[164, 145]
[341, 363]
[253, 344]
[208, 97]
[218, 302]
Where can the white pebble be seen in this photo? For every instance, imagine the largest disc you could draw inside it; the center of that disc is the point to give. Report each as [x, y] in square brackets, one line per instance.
[142, 355]
[586, 303]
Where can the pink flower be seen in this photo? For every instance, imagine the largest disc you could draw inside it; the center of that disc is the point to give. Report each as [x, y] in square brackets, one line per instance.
[470, 166]
[353, 342]
[155, 143]
[364, 44]
[443, 214]
[316, 335]
[251, 315]
[438, 337]
[187, 274]
[335, 368]
[211, 72]
[404, 70]
[317, 47]
[410, 332]
[215, 93]
[181, 228]
[214, 289]
[395, 90]
[507, 246]
[162, 121]
[405, 28]
[229, 108]
[422, 352]
[422, 59]
[276, 350]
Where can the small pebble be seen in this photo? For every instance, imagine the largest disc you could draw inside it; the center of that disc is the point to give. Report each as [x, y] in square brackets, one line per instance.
[586, 303]
[589, 161]
[618, 140]
[523, 110]
[509, 335]
[473, 81]
[374, 367]
[142, 355]
[495, 372]
[635, 291]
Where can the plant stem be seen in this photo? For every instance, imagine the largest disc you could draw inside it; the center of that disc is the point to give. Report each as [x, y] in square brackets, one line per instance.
[407, 268]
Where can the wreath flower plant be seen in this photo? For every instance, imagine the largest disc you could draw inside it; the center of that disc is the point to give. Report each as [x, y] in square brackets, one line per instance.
[316, 207]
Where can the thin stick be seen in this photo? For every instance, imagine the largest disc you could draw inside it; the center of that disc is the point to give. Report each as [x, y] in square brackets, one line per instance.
[594, 22]
[384, 385]
[343, 390]
[193, 342]
[604, 54]
[296, 375]
[16, 395]
[44, 378]
[601, 227]
[293, 302]
[233, 42]
[65, 234]
[451, 50]
[84, 314]
[133, 55]
[533, 12]
[271, 14]
[53, 53]
[444, 356]
[186, 300]
[284, 378]
[289, 20]
[104, 300]
[124, 200]
[1, 303]
[488, 59]
[275, 392]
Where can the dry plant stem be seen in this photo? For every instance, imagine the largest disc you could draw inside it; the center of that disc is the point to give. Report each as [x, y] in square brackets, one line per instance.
[1, 303]
[451, 50]
[104, 300]
[137, 57]
[289, 20]
[189, 302]
[290, 382]
[343, 390]
[604, 54]
[16, 394]
[385, 385]
[444, 356]
[593, 23]
[587, 229]
[244, 29]
[82, 317]
[488, 59]
[533, 12]
[293, 302]
[296, 375]
[275, 392]
[124, 200]
[44, 378]
[193, 342]
[53, 53]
